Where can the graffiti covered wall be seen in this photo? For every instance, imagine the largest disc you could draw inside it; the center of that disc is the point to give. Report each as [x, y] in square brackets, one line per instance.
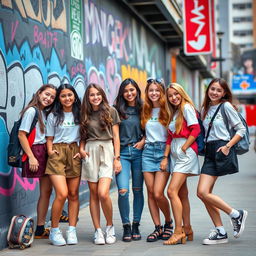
[56, 41]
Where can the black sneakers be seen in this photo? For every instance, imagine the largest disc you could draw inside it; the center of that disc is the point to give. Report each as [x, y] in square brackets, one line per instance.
[238, 223]
[215, 237]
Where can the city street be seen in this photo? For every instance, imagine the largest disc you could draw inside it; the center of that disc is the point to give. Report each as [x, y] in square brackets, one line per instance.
[238, 190]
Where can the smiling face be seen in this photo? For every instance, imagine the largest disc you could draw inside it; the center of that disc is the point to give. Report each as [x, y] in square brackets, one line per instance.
[174, 97]
[67, 98]
[154, 93]
[95, 98]
[46, 97]
[130, 94]
[216, 93]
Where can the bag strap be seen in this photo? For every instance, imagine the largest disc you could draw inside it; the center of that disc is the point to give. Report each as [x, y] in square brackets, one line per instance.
[225, 118]
[211, 122]
[34, 120]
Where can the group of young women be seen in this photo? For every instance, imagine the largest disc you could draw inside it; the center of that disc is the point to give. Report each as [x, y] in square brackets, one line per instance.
[132, 140]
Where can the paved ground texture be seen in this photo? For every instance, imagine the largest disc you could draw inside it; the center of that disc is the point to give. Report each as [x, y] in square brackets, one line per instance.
[238, 190]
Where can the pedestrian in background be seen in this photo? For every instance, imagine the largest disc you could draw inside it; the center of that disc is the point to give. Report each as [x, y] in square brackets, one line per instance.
[220, 158]
[100, 149]
[64, 163]
[35, 160]
[182, 147]
[132, 140]
[154, 119]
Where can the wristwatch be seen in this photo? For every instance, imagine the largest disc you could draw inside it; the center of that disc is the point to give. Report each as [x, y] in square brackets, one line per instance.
[117, 158]
[227, 146]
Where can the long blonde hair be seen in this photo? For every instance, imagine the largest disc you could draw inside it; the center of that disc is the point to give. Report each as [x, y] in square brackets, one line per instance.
[172, 109]
[146, 113]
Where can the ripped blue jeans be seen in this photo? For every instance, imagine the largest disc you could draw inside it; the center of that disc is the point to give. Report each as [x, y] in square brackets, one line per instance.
[131, 159]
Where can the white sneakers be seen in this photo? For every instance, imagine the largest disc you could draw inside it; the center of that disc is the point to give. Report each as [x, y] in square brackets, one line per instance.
[110, 236]
[99, 236]
[71, 237]
[57, 238]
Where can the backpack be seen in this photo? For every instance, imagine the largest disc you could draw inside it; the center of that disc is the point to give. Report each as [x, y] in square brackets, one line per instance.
[200, 138]
[243, 145]
[14, 150]
[21, 232]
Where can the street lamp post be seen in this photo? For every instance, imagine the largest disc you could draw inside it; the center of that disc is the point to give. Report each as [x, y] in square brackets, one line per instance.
[219, 59]
[220, 35]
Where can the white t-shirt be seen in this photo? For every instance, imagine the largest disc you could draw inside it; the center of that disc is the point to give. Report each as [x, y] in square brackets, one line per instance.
[219, 130]
[155, 131]
[26, 122]
[189, 116]
[67, 132]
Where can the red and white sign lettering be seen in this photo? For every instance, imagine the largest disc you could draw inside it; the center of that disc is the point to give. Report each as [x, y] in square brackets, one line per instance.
[197, 27]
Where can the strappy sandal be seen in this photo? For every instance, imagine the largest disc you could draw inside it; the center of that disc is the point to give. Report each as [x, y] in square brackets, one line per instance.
[168, 230]
[189, 233]
[178, 236]
[156, 234]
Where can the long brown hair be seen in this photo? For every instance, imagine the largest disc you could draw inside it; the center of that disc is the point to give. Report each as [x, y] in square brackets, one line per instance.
[87, 110]
[226, 98]
[35, 102]
[184, 99]
[146, 113]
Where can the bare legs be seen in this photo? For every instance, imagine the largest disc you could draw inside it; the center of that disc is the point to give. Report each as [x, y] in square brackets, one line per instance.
[212, 202]
[45, 187]
[178, 194]
[156, 182]
[65, 188]
[99, 194]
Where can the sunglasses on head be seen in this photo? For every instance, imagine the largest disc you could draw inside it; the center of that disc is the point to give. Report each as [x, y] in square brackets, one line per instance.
[155, 80]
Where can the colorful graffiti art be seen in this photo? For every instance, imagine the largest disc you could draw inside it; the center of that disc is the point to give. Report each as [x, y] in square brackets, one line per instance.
[57, 41]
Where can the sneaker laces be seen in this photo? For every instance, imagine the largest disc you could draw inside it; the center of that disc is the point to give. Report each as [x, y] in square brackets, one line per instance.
[99, 234]
[235, 223]
[110, 231]
[213, 233]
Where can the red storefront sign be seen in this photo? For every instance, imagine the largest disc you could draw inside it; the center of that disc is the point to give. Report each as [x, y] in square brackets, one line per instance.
[197, 27]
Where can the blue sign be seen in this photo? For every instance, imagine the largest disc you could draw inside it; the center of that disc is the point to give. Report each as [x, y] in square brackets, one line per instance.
[244, 84]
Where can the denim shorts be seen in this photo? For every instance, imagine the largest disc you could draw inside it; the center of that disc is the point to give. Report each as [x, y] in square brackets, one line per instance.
[152, 156]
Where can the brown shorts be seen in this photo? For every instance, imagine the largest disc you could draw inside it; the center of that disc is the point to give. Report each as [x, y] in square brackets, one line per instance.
[64, 163]
[40, 153]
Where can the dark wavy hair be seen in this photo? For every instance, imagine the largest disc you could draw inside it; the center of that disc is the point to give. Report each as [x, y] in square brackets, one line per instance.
[58, 108]
[35, 102]
[227, 97]
[120, 102]
[87, 110]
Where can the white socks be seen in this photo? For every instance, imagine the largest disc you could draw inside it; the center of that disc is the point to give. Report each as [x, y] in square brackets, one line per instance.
[234, 213]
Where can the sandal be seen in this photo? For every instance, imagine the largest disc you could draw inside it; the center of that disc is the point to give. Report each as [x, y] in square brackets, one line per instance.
[189, 233]
[168, 230]
[178, 236]
[156, 234]
[135, 231]
[127, 235]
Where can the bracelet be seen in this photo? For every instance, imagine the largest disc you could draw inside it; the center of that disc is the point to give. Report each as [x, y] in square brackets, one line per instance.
[165, 157]
[227, 146]
[117, 158]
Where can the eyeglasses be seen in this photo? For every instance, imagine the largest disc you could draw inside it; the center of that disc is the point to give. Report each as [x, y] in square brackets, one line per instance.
[156, 80]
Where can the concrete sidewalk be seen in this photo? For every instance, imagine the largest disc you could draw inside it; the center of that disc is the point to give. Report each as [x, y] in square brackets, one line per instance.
[238, 190]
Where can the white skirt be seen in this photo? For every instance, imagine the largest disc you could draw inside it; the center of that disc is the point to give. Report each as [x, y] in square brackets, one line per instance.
[184, 163]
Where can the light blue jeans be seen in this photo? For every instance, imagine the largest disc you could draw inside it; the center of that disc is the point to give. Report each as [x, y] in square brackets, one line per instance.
[131, 159]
